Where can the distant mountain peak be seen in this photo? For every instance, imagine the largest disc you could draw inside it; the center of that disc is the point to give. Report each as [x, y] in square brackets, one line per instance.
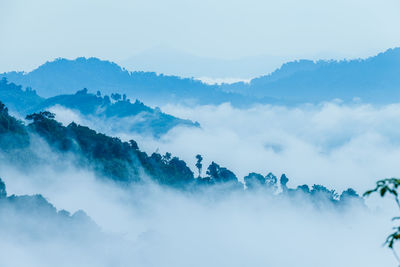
[375, 79]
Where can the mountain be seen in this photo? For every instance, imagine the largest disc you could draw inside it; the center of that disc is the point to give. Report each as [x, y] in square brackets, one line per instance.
[124, 163]
[64, 76]
[175, 62]
[375, 79]
[18, 99]
[28, 217]
[119, 112]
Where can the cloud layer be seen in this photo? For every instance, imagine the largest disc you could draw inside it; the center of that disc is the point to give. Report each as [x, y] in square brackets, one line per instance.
[335, 144]
[153, 226]
[331, 144]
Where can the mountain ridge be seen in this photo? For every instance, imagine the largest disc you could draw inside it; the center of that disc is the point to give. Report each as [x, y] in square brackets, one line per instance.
[374, 79]
[346, 79]
[117, 110]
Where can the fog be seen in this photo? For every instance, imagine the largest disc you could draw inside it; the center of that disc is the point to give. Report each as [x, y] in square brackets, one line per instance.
[149, 225]
[334, 144]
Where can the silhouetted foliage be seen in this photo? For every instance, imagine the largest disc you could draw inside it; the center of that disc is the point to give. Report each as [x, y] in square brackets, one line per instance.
[284, 180]
[167, 170]
[270, 181]
[324, 193]
[124, 162]
[113, 158]
[349, 194]
[254, 181]
[3, 192]
[383, 187]
[116, 96]
[16, 98]
[44, 124]
[151, 121]
[34, 217]
[220, 174]
[12, 131]
[303, 188]
[40, 116]
[133, 144]
[199, 165]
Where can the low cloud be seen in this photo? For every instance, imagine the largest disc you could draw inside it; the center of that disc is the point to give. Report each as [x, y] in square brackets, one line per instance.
[148, 225]
[333, 144]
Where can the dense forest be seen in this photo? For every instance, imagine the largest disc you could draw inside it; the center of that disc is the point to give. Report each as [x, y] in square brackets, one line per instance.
[124, 162]
[32, 216]
[136, 116]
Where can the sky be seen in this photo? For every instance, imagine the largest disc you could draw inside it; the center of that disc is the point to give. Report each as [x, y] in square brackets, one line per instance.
[335, 144]
[225, 30]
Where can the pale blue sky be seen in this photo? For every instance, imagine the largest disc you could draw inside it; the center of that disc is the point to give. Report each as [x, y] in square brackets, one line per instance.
[35, 31]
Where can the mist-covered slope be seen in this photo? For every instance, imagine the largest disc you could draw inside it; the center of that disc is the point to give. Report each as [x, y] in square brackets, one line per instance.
[124, 163]
[117, 111]
[375, 79]
[31, 217]
[63, 76]
[147, 205]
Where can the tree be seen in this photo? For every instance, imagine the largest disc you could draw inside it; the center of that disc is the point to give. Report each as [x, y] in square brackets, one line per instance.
[270, 181]
[133, 144]
[349, 194]
[303, 188]
[40, 116]
[199, 165]
[383, 187]
[167, 157]
[3, 192]
[116, 96]
[254, 181]
[284, 180]
[3, 108]
[84, 91]
[324, 193]
[107, 100]
[220, 174]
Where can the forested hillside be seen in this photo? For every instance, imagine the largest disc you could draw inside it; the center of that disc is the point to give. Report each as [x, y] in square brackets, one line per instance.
[137, 116]
[124, 162]
[373, 80]
[64, 76]
[32, 216]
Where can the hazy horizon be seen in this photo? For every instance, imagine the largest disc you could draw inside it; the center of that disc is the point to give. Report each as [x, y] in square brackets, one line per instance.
[221, 71]
[199, 33]
[104, 166]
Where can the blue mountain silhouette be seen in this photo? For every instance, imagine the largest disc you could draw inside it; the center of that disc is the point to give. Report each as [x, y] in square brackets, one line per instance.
[375, 80]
